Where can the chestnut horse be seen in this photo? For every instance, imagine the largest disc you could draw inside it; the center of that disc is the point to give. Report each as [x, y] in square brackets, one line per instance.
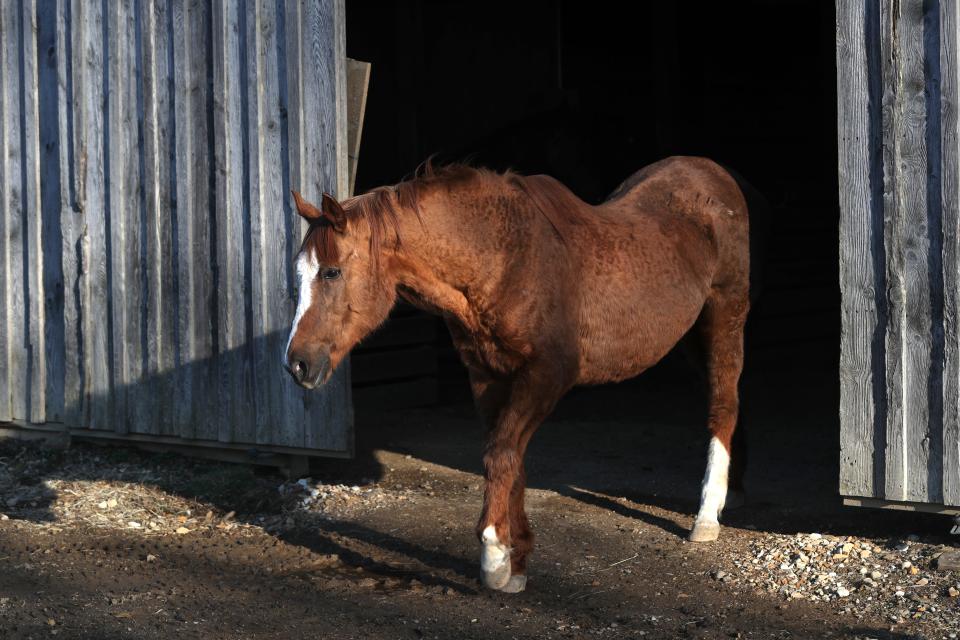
[540, 292]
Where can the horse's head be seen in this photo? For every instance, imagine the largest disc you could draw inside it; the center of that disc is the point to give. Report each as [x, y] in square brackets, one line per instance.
[344, 294]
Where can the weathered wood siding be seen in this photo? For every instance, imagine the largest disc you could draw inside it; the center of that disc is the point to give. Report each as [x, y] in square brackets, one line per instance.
[147, 152]
[899, 231]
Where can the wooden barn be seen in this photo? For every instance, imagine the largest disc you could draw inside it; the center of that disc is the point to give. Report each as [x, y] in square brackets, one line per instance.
[146, 234]
[147, 153]
[898, 95]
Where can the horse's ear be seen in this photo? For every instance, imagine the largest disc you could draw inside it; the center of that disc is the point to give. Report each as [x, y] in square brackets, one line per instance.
[333, 212]
[306, 210]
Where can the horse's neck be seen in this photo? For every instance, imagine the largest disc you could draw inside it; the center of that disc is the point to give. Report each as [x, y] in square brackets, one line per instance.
[443, 256]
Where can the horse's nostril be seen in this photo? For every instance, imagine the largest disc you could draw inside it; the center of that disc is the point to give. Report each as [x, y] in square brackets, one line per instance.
[299, 370]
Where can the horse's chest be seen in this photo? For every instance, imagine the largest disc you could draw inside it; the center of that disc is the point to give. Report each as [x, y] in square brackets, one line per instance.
[482, 351]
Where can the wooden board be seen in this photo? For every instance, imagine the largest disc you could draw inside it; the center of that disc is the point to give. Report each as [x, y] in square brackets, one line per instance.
[358, 81]
[146, 235]
[899, 176]
[861, 314]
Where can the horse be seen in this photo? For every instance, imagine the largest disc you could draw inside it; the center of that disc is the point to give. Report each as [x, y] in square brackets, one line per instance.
[540, 292]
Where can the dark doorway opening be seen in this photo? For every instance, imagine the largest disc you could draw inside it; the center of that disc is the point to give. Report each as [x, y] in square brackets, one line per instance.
[591, 92]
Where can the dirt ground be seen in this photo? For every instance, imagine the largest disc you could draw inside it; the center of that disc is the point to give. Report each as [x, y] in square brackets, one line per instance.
[109, 543]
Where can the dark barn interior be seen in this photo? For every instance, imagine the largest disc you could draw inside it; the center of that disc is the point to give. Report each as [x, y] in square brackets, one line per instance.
[591, 92]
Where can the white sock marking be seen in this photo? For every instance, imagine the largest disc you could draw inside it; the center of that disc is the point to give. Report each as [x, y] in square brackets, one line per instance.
[307, 269]
[494, 554]
[714, 491]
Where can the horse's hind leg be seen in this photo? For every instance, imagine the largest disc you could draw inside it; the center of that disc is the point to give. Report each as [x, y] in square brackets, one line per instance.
[722, 325]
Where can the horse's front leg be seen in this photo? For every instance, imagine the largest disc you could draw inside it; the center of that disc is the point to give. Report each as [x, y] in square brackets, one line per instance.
[503, 530]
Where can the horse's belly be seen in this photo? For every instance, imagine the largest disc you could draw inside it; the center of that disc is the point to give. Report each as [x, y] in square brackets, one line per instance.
[621, 337]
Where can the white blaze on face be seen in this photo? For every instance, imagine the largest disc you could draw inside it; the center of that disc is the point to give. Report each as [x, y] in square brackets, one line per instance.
[714, 492]
[307, 269]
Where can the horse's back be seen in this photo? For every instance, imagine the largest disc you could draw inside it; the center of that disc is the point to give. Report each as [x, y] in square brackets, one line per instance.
[680, 231]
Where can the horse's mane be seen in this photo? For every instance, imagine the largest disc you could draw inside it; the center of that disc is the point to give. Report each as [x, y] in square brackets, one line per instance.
[380, 208]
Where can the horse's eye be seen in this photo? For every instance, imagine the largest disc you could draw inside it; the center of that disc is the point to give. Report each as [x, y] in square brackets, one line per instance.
[330, 273]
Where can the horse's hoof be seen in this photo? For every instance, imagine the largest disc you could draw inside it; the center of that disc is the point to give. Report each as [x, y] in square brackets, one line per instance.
[515, 584]
[735, 500]
[499, 578]
[704, 531]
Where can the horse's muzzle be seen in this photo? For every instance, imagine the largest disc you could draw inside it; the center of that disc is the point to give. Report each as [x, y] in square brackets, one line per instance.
[308, 372]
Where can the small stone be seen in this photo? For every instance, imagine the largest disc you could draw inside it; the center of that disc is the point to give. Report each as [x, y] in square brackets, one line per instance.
[948, 561]
[876, 575]
[111, 503]
[367, 583]
[102, 505]
[4, 516]
[842, 592]
[953, 592]
[901, 547]
[906, 564]
[51, 622]
[922, 582]
[914, 571]
[134, 524]
[815, 536]
[182, 530]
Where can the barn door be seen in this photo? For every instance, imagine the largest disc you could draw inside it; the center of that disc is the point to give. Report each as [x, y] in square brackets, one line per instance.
[899, 255]
[152, 292]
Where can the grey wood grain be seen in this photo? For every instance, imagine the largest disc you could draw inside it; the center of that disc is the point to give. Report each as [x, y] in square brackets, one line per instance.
[123, 211]
[950, 198]
[269, 265]
[71, 220]
[6, 282]
[89, 84]
[193, 419]
[157, 146]
[34, 289]
[49, 33]
[857, 277]
[18, 336]
[138, 306]
[234, 417]
[895, 460]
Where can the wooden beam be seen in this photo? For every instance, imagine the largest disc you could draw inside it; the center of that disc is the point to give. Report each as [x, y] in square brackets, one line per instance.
[358, 81]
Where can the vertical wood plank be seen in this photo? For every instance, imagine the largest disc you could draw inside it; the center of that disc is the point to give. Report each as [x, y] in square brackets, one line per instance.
[49, 54]
[6, 388]
[15, 235]
[157, 147]
[235, 422]
[895, 455]
[34, 290]
[91, 199]
[857, 274]
[950, 175]
[194, 418]
[70, 221]
[267, 226]
[124, 212]
[909, 335]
